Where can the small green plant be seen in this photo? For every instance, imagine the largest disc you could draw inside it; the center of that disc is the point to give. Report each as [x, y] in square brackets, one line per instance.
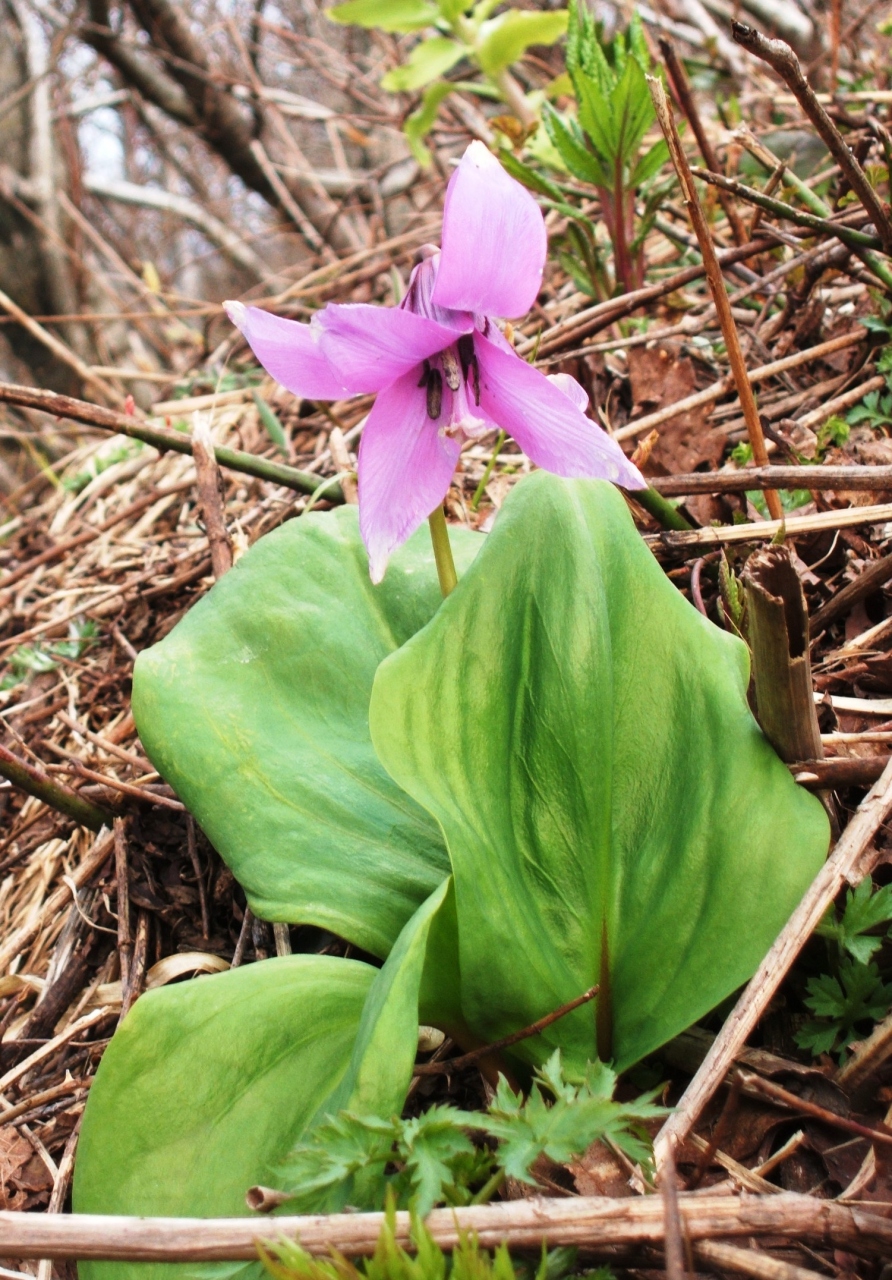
[603, 147]
[431, 1159]
[286, 1260]
[29, 660]
[460, 32]
[854, 994]
[855, 930]
[857, 997]
[875, 410]
[101, 462]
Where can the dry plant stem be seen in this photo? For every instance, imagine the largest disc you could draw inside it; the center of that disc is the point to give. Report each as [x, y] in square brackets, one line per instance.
[849, 863]
[209, 485]
[140, 964]
[602, 314]
[869, 580]
[759, 530]
[673, 1246]
[716, 285]
[774, 1093]
[838, 771]
[51, 1047]
[90, 535]
[778, 638]
[60, 1190]
[868, 1057]
[340, 456]
[60, 351]
[818, 479]
[468, 1059]
[122, 879]
[192, 846]
[46, 1095]
[165, 438]
[55, 794]
[594, 1222]
[723, 385]
[18, 939]
[682, 90]
[749, 1262]
[781, 58]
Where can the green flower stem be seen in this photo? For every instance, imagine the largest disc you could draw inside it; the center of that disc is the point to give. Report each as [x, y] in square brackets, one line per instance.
[489, 1188]
[442, 551]
[484, 479]
[661, 509]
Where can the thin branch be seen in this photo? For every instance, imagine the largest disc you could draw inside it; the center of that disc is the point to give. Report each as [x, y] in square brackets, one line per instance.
[35, 782]
[716, 285]
[167, 438]
[781, 58]
[468, 1059]
[850, 862]
[594, 1222]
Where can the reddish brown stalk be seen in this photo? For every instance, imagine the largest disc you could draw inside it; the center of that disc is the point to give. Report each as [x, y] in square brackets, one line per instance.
[475, 1055]
[716, 285]
[37, 783]
[681, 88]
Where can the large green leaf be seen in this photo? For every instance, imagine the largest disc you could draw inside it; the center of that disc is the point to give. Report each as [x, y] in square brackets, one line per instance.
[612, 811]
[208, 1084]
[389, 15]
[427, 61]
[255, 709]
[507, 37]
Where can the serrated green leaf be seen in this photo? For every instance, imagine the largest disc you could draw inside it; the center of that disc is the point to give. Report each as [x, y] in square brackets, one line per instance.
[255, 709]
[506, 38]
[602, 827]
[529, 177]
[572, 150]
[427, 61]
[649, 164]
[388, 15]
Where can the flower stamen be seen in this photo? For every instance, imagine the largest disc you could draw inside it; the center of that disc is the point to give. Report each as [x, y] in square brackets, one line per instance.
[434, 394]
[469, 364]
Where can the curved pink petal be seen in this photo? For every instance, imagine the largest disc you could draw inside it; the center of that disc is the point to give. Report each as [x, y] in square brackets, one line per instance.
[289, 351]
[373, 346]
[494, 240]
[552, 431]
[405, 466]
[567, 383]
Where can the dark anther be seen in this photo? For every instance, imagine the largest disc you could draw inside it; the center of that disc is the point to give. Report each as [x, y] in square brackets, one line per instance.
[425, 374]
[434, 394]
[468, 357]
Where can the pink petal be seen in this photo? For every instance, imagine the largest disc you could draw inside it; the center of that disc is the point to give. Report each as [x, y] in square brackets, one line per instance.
[289, 351]
[373, 346]
[567, 383]
[494, 240]
[552, 431]
[404, 470]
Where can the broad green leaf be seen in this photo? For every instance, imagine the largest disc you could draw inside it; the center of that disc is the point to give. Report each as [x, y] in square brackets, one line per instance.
[207, 1085]
[612, 810]
[451, 9]
[388, 15]
[427, 61]
[255, 709]
[421, 121]
[507, 37]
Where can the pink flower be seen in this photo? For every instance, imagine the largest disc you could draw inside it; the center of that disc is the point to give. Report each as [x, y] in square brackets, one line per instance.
[441, 368]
